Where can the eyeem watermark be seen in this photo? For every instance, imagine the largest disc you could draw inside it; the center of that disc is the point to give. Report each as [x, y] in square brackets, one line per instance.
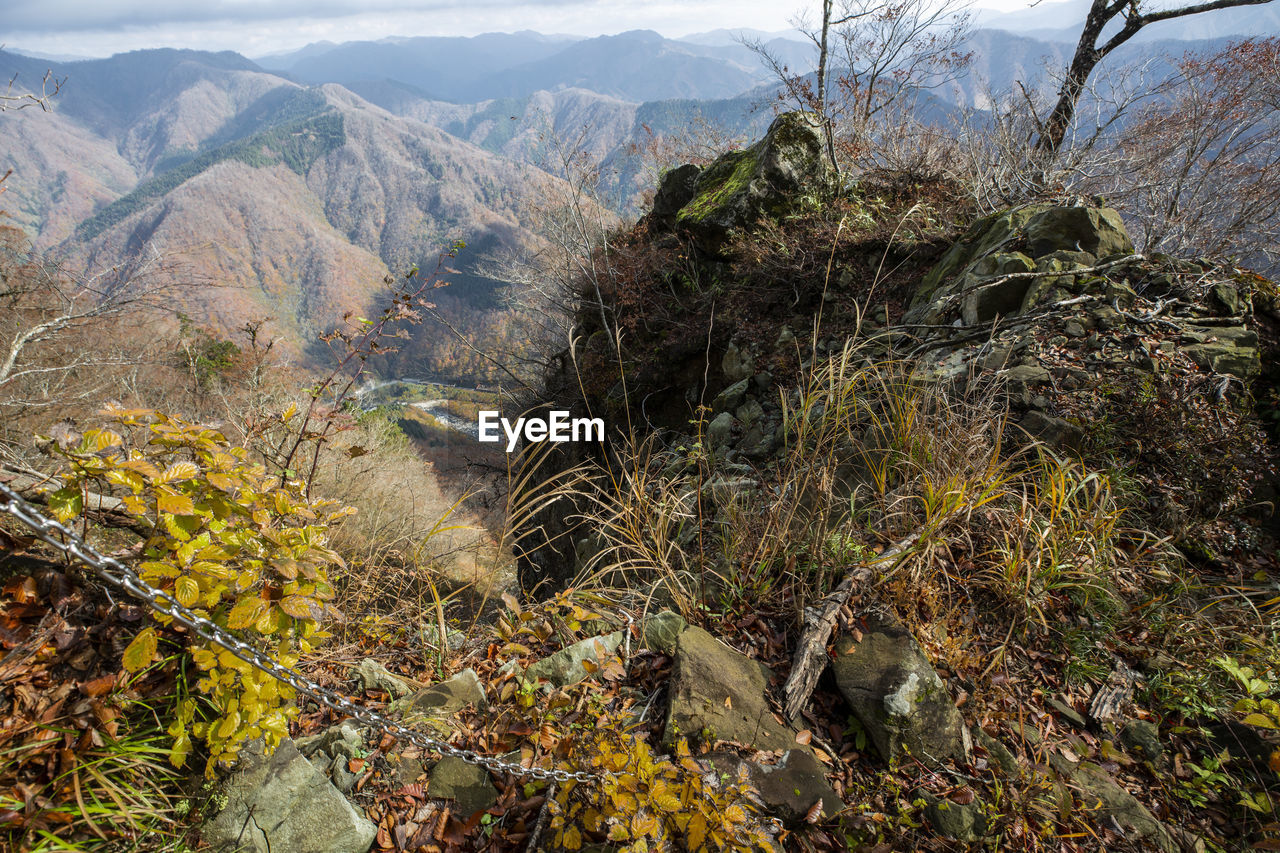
[556, 427]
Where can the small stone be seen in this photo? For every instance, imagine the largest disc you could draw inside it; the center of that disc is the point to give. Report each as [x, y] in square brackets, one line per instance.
[374, 676]
[661, 630]
[1070, 714]
[283, 802]
[466, 784]
[731, 397]
[786, 338]
[897, 695]
[736, 365]
[566, 666]
[1074, 329]
[1103, 796]
[793, 786]
[447, 697]
[763, 381]
[1142, 738]
[997, 751]
[720, 430]
[951, 820]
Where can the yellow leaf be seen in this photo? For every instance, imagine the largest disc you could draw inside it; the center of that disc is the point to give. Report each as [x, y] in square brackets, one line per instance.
[572, 839]
[245, 612]
[618, 832]
[178, 472]
[141, 651]
[186, 590]
[301, 607]
[1260, 720]
[170, 501]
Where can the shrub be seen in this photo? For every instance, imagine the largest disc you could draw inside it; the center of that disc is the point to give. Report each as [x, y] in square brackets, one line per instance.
[227, 540]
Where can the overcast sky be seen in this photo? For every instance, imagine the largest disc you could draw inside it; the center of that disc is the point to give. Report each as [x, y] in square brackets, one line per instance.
[257, 27]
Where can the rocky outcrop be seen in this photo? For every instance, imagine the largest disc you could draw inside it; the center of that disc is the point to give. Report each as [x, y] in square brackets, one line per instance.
[786, 169]
[897, 695]
[466, 784]
[282, 802]
[566, 666]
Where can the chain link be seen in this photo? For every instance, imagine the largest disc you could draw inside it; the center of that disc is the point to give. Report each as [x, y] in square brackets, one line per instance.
[122, 577]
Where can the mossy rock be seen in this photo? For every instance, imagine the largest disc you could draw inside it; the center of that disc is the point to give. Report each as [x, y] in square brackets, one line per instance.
[779, 174]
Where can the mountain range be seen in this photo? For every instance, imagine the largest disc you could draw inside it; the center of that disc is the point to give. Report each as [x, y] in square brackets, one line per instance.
[299, 181]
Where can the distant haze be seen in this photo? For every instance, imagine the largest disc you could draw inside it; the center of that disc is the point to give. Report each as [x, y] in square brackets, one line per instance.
[95, 28]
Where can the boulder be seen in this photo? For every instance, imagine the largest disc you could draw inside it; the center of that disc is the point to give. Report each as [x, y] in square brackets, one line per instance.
[675, 190]
[736, 364]
[718, 694]
[897, 695]
[720, 431]
[781, 172]
[282, 802]
[466, 784]
[565, 666]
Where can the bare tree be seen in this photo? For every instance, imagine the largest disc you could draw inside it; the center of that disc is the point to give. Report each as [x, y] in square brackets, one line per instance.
[873, 55]
[1199, 166]
[1092, 49]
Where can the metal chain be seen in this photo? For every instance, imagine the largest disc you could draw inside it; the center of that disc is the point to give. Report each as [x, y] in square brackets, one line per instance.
[122, 577]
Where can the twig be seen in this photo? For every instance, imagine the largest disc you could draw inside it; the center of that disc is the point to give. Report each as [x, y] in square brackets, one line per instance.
[541, 825]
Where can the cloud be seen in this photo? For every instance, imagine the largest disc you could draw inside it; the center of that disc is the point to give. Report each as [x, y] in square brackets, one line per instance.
[47, 16]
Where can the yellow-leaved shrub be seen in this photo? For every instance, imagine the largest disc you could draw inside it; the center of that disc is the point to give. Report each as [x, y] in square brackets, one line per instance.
[227, 540]
[647, 803]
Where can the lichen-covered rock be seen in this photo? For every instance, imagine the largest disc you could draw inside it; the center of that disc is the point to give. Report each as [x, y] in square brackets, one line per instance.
[466, 784]
[661, 630]
[897, 695]
[441, 700]
[782, 171]
[565, 666]
[282, 802]
[718, 694]
[375, 676]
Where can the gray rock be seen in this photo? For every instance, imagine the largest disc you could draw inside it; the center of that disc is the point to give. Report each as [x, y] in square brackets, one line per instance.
[749, 412]
[661, 630]
[996, 751]
[719, 694]
[781, 172]
[345, 739]
[1142, 739]
[1004, 296]
[897, 695]
[1055, 432]
[736, 365]
[793, 786]
[282, 802]
[375, 676]
[441, 700]
[720, 430]
[675, 189]
[466, 784]
[966, 824]
[565, 666]
[731, 397]
[1099, 231]
[1100, 795]
[1071, 715]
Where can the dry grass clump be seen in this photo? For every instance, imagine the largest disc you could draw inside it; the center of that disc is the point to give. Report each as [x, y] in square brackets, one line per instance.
[872, 454]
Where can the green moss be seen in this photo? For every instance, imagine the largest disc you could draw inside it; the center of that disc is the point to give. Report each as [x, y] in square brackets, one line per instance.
[728, 176]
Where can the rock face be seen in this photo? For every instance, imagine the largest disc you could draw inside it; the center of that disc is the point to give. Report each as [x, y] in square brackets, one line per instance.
[897, 696]
[375, 676]
[793, 786]
[282, 802]
[767, 179]
[718, 694]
